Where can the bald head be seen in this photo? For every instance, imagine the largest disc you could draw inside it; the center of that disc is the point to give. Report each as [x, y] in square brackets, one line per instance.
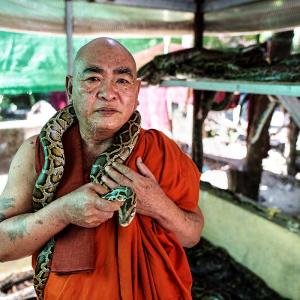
[101, 45]
[104, 88]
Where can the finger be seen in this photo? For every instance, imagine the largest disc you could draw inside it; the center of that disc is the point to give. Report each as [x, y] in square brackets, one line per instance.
[103, 215]
[129, 173]
[99, 218]
[107, 206]
[99, 189]
[144, 169]
[110, 183]
[118, 177]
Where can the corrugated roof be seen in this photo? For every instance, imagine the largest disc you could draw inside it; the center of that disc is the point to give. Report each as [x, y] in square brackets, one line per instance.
[148, 18]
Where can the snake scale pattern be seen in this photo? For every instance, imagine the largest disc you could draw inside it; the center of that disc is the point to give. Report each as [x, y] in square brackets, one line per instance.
[53, 168]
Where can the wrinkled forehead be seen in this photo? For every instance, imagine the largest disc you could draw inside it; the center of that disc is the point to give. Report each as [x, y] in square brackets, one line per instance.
[103, 55]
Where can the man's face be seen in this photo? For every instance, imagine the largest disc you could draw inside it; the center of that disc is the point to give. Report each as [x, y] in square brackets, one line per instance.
[104, 89]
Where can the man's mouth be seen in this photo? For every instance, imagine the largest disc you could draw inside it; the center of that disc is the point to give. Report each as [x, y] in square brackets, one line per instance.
[106, 110]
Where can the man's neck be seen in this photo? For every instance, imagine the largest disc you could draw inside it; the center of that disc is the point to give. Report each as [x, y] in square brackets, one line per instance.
[94, 139]
[93, 146]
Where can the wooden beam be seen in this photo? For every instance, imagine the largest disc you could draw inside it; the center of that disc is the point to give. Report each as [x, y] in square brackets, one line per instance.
[251, 87]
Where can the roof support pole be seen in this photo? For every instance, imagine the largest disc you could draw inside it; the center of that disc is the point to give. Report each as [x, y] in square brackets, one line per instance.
[69, 33]
[198, 24]
[197, 147]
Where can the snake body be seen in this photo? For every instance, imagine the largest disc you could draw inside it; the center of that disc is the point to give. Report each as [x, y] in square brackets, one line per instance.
[53, 168]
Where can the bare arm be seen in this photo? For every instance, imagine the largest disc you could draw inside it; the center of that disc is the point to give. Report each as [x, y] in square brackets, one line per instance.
[153, 202]
[187, 226]
[22, 231]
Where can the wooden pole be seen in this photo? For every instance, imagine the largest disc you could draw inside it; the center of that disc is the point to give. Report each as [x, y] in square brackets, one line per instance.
[197, 147]
[198, 24]
[69, 33]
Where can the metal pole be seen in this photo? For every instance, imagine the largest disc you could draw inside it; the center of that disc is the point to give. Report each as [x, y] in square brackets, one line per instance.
[69, 33]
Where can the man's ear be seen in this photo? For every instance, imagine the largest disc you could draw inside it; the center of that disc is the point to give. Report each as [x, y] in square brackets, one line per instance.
[69, 87]
[138, 82]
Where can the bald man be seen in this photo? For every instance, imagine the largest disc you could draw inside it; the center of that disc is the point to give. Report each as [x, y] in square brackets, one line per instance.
[94, 257]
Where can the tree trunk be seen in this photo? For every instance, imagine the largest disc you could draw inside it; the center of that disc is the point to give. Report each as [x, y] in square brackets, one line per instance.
[257, 150]
[202, 103]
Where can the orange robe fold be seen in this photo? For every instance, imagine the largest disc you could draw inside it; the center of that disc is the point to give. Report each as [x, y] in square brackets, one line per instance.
[142, 261]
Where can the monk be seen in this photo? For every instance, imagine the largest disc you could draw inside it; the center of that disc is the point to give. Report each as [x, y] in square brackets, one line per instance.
[94, 257]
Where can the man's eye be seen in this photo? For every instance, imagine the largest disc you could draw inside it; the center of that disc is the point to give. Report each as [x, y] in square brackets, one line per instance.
[123, 81]
[92, 79]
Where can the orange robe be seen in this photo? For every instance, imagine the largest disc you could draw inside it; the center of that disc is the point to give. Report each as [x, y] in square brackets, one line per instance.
[142, 261]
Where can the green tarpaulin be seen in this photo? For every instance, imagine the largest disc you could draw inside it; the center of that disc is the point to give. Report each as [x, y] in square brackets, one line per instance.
[38, 63]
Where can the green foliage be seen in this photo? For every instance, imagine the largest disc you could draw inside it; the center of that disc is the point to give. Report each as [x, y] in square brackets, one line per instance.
[223, 42]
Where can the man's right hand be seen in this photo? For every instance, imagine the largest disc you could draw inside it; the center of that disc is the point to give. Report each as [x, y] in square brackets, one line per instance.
[84, 207]
[22, 232]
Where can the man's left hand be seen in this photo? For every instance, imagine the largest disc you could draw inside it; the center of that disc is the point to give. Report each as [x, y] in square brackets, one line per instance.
[153, 202]
[149, 194]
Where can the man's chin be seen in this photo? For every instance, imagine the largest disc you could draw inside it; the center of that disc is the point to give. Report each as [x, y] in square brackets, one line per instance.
[109, 124]
[107, 127]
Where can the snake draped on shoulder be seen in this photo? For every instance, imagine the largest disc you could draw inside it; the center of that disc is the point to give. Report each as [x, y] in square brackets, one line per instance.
[54, 160]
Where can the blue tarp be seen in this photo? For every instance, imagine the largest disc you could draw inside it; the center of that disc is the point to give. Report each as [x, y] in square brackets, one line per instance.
[38, 63]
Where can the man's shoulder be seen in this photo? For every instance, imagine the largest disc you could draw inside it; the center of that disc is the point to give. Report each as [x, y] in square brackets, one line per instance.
[22, 167]
[155, 135]
[157, 141]
[28, 146]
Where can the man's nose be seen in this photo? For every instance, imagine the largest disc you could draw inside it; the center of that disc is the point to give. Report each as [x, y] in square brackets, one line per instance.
[107, 91]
